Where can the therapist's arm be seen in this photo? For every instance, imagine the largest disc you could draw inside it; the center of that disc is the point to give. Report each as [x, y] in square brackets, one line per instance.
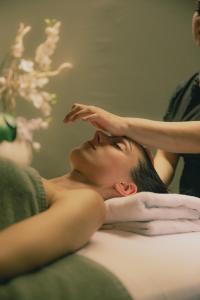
[65, 227]
[165, 164]
[175, 137]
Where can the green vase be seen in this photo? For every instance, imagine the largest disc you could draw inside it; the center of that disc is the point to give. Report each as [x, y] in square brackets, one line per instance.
[8, 128]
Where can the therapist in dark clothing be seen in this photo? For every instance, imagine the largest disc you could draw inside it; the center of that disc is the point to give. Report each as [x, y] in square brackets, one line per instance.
[184, 106]
[178, 136]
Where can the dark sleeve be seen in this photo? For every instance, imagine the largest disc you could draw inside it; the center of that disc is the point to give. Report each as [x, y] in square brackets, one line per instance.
[185, 102]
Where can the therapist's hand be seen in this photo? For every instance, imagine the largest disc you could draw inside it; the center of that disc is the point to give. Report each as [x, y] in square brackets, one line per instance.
[196, 28]
[98, 117]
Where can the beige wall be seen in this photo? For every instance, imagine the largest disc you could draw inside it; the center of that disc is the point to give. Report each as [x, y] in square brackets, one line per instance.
[128, 56]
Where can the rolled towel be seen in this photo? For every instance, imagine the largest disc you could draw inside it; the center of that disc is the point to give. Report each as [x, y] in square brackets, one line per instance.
[147, 206]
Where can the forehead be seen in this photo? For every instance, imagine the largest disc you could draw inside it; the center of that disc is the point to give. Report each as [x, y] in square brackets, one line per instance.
[132, 149]
[131, 143]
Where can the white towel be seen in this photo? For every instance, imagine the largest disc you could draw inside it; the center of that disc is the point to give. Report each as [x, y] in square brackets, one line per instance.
[157, 227]
[153, 214]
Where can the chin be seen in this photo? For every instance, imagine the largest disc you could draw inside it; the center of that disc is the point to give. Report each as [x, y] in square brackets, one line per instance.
[79, 159]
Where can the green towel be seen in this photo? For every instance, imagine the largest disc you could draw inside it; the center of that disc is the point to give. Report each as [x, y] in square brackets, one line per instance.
[21, 193]
[72, 277]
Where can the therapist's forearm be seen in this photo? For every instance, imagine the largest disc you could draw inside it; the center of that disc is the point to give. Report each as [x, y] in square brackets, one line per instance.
[176, 137]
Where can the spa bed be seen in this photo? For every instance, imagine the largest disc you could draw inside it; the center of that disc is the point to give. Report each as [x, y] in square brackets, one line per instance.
[151, 268]
[120, 266]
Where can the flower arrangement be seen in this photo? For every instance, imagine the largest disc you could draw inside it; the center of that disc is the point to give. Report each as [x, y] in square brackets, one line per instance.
[25, 78]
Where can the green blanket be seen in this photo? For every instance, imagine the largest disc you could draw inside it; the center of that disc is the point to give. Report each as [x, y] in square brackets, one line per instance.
[22, 194]
[72, 277]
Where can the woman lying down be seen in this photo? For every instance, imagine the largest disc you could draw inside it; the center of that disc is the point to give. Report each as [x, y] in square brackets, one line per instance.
[73, 207]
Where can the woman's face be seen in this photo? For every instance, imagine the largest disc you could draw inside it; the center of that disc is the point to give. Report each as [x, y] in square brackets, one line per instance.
[106, 160]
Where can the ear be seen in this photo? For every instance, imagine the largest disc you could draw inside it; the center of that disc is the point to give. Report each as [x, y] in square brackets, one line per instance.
[125, 188]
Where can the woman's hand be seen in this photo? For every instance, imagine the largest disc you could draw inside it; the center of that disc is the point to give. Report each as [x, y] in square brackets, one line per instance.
[98, 117]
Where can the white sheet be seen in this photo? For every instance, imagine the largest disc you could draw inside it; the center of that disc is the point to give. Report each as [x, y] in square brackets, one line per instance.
[151, 268]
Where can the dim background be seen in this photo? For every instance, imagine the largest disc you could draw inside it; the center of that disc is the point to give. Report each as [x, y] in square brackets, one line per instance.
[128, 57]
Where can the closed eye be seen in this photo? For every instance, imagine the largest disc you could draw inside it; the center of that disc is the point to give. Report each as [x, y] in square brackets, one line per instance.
[116, 145]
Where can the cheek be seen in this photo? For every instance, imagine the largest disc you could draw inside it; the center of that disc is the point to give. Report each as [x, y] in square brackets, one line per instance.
[105, 165]
[110, 164]
[87, 160]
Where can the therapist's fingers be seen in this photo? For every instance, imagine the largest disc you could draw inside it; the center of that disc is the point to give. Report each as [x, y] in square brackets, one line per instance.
[89, 117]
[98, 117]
[93, 119]
[78, 111]
[73, 111]
[83, 115]
[78, 114]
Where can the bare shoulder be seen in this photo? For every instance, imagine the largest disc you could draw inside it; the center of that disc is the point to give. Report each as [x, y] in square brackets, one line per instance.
[86, 201]
[79, 195]
[55, 194]
[86, 192]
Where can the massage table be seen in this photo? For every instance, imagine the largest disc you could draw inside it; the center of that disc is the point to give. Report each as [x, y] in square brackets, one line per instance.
[117, 265]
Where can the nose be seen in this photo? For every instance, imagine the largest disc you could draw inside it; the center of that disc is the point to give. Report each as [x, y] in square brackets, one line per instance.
[101, 138]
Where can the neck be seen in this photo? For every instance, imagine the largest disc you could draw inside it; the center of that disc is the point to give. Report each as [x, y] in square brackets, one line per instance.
[77, 180]
[71, 180]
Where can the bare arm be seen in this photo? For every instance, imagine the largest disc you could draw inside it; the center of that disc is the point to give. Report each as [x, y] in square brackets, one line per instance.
[64, 227]
[165, 164]
[176, 137]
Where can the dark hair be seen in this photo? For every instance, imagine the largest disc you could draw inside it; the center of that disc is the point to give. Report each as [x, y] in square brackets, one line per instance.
[145, 175]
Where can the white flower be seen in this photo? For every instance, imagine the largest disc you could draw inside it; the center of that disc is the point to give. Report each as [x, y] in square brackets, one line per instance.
[41, 81]
[26, 82]
[26, 78]
[35, 124]
[46, 109]
[53, 73]
[47, 96]
[31, 81]
[26, 65]
[36, 146]
[42, 58]
[18, 47]
[2, 84]
[23, 130]
[36, 98]
[26, 127]
[53, 30]
[46, 49]
[2, 81]
[44, 125]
